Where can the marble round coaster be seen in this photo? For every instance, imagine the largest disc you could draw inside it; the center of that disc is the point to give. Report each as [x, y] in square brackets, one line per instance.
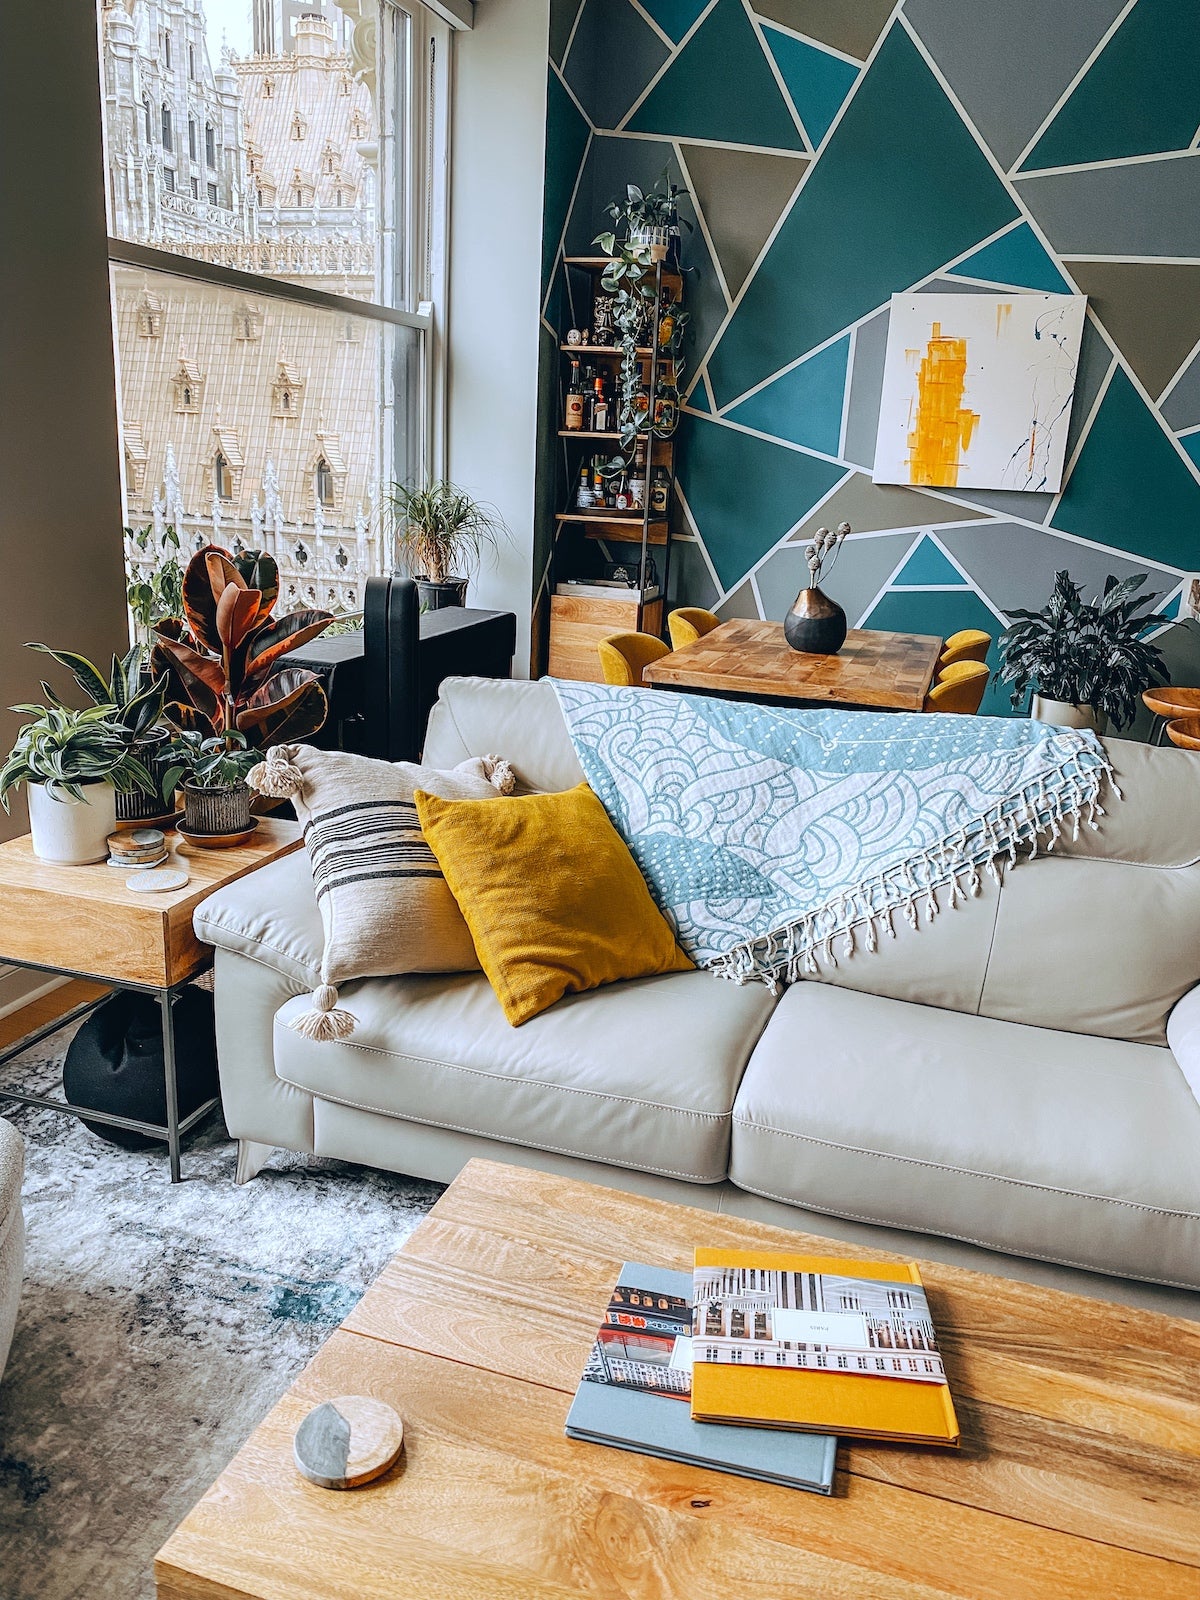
[157, 880]
[348, 1441]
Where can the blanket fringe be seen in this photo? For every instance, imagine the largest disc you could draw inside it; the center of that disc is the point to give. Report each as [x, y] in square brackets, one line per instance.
[791, 952]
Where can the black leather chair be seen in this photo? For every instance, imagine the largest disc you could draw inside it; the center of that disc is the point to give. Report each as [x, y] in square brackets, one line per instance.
[382, 683]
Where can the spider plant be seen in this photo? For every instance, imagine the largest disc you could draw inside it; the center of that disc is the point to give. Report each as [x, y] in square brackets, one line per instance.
[1086, 653]
[66, 750]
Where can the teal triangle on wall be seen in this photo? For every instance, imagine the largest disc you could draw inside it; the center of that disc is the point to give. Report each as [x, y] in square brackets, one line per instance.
[1018, 258]
[1171, 609]
[817, 82]
[674, 17]
[1130, 488]
[928, 567]
[745, 493]
[1140, 96]
[720, 87]
[805, 405]
[698, 399]
[1191, 443]
[900, 188]
[942, 613]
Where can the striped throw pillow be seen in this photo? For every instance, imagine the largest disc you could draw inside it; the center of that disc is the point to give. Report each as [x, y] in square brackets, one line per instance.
[385, 905]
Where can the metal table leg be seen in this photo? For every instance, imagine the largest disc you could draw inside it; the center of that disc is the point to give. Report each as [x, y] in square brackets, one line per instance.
[166, 1001]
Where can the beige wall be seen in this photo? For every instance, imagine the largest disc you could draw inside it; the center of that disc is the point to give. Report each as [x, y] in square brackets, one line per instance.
[60, 504]
[496, 190]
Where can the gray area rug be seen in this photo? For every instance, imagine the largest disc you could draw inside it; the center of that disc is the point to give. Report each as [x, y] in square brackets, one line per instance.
[157, 1326]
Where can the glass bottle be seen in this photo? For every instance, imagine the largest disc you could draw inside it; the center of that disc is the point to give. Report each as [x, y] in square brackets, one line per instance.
[573, 420]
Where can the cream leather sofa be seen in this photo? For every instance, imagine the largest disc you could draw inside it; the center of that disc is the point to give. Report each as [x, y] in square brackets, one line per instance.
[12, 1232]
[999, 1079]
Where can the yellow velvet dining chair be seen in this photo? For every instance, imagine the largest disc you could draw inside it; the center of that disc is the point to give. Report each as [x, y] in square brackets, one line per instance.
[690, 623]
[624, 657]
[969, 644]
[959, 688]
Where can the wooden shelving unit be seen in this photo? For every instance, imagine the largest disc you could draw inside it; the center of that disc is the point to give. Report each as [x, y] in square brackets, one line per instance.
[579, 621]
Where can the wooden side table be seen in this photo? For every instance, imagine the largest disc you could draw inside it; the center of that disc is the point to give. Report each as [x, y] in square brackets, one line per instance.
[82, 922]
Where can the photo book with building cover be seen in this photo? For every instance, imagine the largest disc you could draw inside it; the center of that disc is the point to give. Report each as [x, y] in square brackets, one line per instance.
[817, 1342]
[636, 1388]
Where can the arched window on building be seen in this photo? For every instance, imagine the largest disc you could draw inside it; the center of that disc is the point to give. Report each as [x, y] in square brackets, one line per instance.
[298, 194]
[210, 145]
[192, 62]
[324, 482]
[192, 146]
[222, 480]
[187, 395]
[285, 400]
[299, 126]
[166, 50]
[268, 88]
[339, 198]
[149, 115]
[167, 141]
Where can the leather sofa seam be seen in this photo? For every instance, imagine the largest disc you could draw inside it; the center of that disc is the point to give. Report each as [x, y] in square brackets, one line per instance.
[963, 1238]
[479, 1133]
[965, 1172]
[260, 944]
[501, 1077]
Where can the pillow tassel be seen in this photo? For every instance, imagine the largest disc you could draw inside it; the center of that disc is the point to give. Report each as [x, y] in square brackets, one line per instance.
[499, 774]
[276, 775]
[325, 1021]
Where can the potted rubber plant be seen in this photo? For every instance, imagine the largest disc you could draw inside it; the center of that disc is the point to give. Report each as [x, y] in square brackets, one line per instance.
[228, 685]
[441, 534]
[138, 701]
[1086, 661]
[73, 764]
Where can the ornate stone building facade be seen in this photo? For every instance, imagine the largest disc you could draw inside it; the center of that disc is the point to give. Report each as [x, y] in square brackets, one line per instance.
[245, 418]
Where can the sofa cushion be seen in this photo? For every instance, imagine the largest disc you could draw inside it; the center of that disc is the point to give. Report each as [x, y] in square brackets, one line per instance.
[555, 903]
[519, 717]
[1054, 1145]
[639, 1074]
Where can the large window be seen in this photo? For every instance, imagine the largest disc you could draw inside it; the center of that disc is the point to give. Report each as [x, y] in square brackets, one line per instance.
[272, 316]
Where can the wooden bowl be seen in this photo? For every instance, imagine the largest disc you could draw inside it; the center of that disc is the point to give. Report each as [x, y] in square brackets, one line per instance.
[1185, 732]
[1172, 702]
[217, 841]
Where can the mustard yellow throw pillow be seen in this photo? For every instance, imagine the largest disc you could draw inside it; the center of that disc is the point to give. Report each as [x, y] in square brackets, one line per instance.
[554, 901]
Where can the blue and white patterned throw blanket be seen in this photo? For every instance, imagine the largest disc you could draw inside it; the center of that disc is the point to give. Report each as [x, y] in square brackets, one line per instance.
[768, 835]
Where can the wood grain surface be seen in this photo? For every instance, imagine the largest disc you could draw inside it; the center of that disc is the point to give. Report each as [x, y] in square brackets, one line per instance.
[889, 670]
[1079, 1478]
[84, 919]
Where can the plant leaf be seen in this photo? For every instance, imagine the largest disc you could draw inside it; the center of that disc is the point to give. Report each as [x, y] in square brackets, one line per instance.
[289, 707]
[277, 638]
[85, 674]
[202, 588]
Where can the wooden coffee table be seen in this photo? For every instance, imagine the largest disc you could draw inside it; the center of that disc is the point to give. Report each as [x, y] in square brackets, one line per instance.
[1079, 1476]
[887, 671]
[82, 922]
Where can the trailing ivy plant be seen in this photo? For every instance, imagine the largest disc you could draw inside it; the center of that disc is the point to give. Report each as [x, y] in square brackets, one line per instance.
[1086, 653]
[631, 280]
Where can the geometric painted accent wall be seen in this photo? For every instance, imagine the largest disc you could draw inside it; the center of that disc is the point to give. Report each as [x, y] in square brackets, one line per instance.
[836, 154]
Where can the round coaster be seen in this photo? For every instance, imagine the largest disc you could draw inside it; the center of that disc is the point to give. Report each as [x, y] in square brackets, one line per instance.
[348, 1441]
[140, 866]
[136, 842]
[158, 880]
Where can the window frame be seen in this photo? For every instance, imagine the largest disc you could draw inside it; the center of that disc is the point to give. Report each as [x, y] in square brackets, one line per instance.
[418, 98]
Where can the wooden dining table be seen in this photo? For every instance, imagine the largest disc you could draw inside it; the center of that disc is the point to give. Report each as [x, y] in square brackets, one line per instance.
[883, 671]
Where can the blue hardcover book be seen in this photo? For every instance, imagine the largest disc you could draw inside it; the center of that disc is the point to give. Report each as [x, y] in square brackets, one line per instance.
[637, 1387]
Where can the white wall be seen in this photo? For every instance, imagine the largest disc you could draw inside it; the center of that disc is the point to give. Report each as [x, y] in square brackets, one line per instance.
[496, 189]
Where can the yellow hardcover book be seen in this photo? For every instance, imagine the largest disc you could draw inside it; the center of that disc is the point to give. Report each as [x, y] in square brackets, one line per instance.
[820, 1343]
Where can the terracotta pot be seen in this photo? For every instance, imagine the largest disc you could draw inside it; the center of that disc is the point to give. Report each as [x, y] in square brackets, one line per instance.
[1065, 714]
[816, 625]
[72, 832]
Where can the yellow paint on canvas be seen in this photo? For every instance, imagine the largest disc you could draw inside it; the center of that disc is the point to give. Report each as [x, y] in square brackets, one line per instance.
[944, 428]
[1003, 312]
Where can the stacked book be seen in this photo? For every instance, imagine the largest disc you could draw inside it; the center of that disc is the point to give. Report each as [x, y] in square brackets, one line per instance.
[755, 1362]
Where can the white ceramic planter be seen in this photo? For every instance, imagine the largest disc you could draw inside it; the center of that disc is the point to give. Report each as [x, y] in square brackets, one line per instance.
[72, 832]
[656, 240]
[1067, 715]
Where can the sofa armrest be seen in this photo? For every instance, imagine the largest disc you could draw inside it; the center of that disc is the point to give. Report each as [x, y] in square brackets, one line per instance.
[270, 916]
[1183, 1036]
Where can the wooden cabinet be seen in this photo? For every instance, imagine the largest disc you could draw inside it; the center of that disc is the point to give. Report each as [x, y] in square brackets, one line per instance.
[577, 626]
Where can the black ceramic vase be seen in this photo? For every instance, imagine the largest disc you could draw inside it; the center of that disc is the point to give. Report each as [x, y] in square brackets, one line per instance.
[437, 596]
[816, 625]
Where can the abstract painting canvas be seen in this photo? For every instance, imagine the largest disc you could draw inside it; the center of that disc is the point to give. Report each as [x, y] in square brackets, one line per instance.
[977, 390]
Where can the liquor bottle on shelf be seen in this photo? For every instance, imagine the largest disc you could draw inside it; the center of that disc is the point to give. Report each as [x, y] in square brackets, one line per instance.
[660, 492]
[624, 500]
[584, 497]
[598, 480]
[600, 408]
[573, 420]
[589, 398]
